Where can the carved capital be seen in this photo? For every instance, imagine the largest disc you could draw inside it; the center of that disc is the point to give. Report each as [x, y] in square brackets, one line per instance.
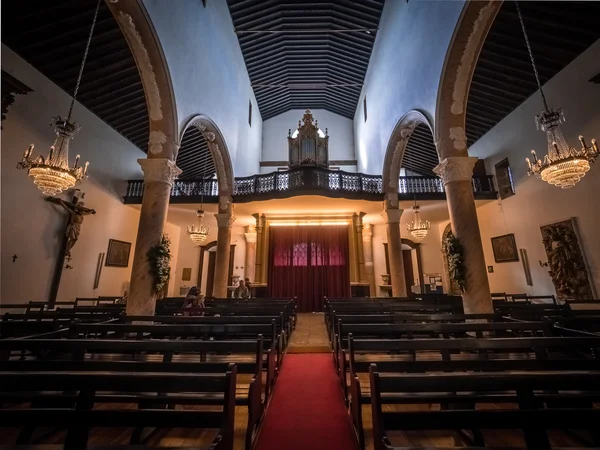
[159, 170]
[456, 168]
[250, 238]
[392, 215]
[224, 220]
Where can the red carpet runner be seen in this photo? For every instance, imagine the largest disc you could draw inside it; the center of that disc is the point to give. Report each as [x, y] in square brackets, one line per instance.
[307, 409]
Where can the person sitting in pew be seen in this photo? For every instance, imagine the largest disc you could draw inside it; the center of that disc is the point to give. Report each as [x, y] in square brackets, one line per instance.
[242, 291]
[193, 300]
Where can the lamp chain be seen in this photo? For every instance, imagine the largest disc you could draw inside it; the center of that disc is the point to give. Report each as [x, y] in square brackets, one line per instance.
[535, 72]
[85, 54]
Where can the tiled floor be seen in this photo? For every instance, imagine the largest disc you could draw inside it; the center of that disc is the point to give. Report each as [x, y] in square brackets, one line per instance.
[310, 335]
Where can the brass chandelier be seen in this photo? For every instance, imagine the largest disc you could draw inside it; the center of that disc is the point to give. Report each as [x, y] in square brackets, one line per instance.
[418, 228]
[562, 166]
[52, 174]
[198, 233]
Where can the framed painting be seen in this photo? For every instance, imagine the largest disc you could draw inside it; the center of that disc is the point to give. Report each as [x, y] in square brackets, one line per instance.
[505, 248]
[118, 253]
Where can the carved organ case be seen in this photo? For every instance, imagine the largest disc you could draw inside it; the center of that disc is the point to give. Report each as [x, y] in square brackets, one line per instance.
[307, 148]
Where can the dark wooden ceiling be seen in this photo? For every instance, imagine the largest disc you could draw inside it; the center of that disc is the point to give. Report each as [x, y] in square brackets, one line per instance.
[420, 155]
[559, 31]
[51, 36]
[301, 54]
[194, 158]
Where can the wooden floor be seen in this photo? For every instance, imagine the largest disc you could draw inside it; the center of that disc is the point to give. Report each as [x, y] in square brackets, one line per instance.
[310, 335]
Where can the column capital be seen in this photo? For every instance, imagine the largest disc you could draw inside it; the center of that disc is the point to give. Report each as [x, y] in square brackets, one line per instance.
[159, 170]
[367, 232]
[392, 215]
[250, 234]
[224, 220]
[456, 168]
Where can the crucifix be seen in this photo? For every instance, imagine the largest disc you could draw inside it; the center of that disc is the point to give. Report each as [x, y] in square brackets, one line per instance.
[76, 212]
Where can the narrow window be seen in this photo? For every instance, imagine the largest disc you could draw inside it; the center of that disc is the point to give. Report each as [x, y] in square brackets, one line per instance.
[365, 107]
[250, 112]
[504, 178]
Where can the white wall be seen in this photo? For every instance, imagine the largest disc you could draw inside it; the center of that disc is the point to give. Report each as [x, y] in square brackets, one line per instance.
[536, 203]
[404, 72]
[31, 227]
[275, 134]
[208, 73]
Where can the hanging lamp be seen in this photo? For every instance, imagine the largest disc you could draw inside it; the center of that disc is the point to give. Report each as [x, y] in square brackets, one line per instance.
[418, 228]
[52, 174]
[198, 233]
[562, 166]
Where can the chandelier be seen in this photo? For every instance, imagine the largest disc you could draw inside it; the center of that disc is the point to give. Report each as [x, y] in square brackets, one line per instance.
[52, 174]
[199, 232]
[562, 166]
[418, 228]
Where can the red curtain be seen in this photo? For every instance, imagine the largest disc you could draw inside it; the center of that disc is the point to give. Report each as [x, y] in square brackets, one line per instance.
[309, 262]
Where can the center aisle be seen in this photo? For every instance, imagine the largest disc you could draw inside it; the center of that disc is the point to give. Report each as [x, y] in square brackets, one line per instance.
[307, 410]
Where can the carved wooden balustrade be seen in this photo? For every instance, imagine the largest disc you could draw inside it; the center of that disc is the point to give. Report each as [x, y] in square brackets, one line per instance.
[311, 181]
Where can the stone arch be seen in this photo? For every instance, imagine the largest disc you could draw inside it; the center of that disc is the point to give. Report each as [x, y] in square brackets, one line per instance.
[453, 92]
[143, 41]
[395, 150]
[220, 155]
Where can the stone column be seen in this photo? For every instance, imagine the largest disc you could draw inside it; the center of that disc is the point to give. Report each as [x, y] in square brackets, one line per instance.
[457, 174]
[225, 219]
[391, 215]
[358, 229]
[159, 174]
[367, 243]
[250, 235]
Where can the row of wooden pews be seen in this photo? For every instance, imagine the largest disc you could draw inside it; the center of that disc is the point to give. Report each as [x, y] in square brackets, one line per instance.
[148, 375]
[426, 378]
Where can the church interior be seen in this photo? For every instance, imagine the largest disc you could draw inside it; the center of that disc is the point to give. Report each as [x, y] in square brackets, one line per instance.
[288, 224]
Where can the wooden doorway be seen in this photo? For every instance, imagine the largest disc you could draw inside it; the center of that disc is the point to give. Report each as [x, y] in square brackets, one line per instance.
[409, 277]
[210, 273]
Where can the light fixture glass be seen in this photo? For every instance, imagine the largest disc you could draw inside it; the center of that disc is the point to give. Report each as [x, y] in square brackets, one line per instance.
[418, 228]
[562, 166]
[198, 232]
[52, 174]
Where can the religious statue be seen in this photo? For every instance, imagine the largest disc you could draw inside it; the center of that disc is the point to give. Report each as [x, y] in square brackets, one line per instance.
[76, 212]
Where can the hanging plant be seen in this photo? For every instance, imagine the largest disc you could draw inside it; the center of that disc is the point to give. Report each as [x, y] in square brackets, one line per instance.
[456, 262]
[159, 257]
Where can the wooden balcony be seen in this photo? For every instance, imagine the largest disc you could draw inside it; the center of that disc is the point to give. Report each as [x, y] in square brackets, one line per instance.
[310, 181]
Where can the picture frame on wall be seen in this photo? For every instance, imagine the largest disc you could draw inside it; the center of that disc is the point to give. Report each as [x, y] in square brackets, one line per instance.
[118, 253]
[505, 248]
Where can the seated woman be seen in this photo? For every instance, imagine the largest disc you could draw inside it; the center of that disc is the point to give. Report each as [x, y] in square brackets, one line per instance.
[193, 301]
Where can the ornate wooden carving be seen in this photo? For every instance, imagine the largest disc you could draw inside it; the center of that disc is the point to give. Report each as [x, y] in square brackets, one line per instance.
[308, 148]
[10, 87]
[566, 261]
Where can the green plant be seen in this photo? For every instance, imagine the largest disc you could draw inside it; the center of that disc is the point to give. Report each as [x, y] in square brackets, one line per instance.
[159, 257]
[456, 262]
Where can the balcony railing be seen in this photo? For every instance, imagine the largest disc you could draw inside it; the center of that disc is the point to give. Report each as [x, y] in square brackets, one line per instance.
[310, 181]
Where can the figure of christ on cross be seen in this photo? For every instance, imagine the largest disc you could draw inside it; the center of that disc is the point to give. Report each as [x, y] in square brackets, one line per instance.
[76, 212]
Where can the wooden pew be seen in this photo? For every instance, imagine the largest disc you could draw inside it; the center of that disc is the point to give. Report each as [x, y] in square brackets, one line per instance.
[529, 391]
[441, 355]
[267, 332]
[248, 355]
[430, 330]
[73, 407]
